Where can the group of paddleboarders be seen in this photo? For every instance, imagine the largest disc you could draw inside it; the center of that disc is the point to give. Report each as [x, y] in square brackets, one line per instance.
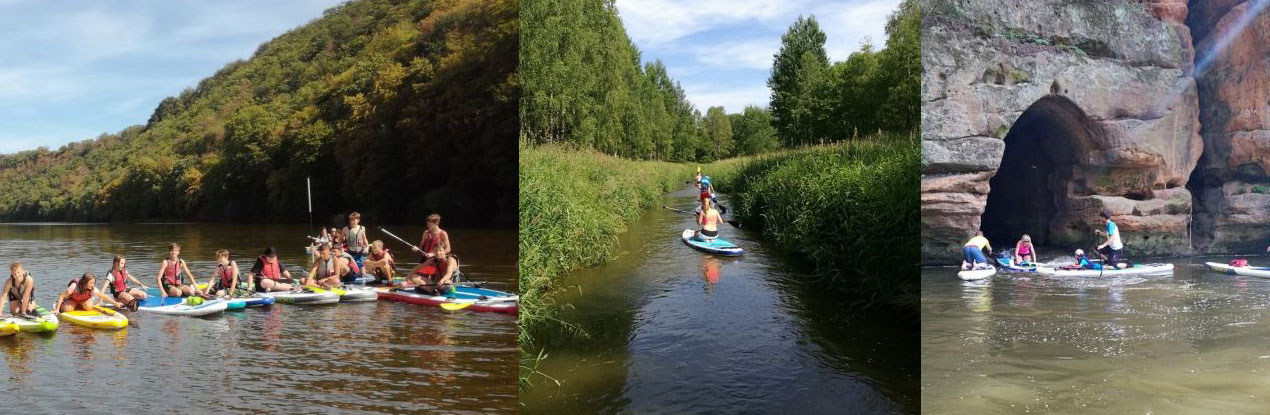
[345, 254]
[1025, 254]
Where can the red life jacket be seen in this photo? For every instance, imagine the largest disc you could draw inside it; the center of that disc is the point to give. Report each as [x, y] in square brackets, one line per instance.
[77, 296]
[226, 275]
[270, 271]
[121, 280]
[430, 242]
[382, 254]
[170, 275]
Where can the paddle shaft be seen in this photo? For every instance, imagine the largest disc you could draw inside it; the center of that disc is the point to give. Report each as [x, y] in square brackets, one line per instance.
[730, 222]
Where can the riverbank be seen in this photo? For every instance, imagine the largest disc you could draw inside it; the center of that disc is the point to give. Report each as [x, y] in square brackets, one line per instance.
[850, 209]
[573, 205]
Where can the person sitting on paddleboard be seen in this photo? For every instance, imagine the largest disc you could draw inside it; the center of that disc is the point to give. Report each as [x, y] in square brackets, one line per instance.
[707, 191]
[1024, 251]
[1083, 261]
[19, 291]
[709, 220]
[973, 251]
[269, 274]
[431, 238]
[224, 282]
[435, 276]
[116, 283]
[170, 279]
[326, 271]
[344, 261]
[1111, 249]
[79, 293]
[355, 238]
[380, 263]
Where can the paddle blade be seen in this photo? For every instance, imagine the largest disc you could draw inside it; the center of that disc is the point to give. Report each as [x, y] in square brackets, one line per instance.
[455, 306]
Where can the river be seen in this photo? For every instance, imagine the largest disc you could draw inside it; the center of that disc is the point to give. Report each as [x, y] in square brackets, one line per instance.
[1192, 341]
[667, 329]
[360, 358]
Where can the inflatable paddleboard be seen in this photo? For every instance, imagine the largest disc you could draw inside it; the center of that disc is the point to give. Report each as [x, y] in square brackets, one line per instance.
[716, 246]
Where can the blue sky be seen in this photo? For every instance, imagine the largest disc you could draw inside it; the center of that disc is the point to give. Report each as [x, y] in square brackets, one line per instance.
[71, 70]
[721, 50]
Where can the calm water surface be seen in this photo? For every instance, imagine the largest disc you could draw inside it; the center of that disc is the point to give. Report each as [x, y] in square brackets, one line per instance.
[358, 358]
[670, 330]
[1189, 342]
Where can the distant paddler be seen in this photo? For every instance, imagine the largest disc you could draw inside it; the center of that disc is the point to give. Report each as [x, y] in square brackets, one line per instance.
[269, 274]
[973, 251]
[172, 273]
[116, 283]
[19, 291]
[79, 293]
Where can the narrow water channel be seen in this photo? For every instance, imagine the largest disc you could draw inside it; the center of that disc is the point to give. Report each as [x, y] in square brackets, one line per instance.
[668, 329]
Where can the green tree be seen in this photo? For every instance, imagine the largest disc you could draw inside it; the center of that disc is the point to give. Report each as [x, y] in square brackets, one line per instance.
[718, 132]
[901, 69]
[753, 131]
[796, 70]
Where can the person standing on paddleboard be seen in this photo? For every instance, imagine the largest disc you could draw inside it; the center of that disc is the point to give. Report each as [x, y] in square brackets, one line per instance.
[79, 294]
[116, 283]
[355, 238]
[709, 220]
[431, 238]
[269, 274]
[973, 251]
[19, 291]
[1112, 248]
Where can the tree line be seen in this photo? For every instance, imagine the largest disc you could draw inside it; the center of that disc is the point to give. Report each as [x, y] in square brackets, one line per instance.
[393, 108]
[585, 85]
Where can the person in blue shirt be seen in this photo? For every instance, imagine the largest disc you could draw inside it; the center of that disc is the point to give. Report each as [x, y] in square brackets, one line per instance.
[1113, 247]
[1084, 262]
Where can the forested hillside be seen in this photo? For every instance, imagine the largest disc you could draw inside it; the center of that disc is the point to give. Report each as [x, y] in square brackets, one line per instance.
[394, 108]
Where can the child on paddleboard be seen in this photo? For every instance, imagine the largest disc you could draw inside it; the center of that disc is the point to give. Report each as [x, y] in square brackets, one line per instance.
[355, 238]
[435, 276]
[79, 294]
[19, 291]
[269, 274]
[224, 281]
[170, 276]
[432, 237]
[327, 270]
[116, 283]
[380, 263]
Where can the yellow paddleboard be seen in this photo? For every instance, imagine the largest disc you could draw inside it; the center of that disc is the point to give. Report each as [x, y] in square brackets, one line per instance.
[8, 327]
[98, 318]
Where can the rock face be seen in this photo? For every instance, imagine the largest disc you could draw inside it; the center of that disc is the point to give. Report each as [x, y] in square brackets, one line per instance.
[1092, 101]
[1231, 184]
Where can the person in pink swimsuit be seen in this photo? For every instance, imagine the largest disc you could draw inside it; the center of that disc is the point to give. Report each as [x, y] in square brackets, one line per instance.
[1024, 251]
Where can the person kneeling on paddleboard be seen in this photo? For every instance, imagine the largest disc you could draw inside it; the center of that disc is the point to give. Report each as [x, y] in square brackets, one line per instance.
[709, 220]
[224, 282]
[78, 295]
[1024, 251]
[19, 291]
[973, 251]
[435, 276]
[380, 263]
[116, 282]
[326, 271]
[1112, 248]
[171, 276]
[349, 269]
[269, 274]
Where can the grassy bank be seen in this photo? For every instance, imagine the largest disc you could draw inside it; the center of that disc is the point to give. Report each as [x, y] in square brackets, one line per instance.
[573, 205]
[851, 209]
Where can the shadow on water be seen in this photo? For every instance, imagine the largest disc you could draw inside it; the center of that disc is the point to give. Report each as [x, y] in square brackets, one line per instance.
[372, 357]
[671, 330]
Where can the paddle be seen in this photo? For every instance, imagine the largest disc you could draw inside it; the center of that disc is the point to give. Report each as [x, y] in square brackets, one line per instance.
[734, 223]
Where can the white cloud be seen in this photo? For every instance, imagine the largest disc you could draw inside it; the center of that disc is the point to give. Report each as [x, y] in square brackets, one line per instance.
[753, 54]
[847, 24]
[654, 22]
[731, 99]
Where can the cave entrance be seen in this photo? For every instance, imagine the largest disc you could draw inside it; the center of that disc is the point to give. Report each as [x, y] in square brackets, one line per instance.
[1035, 171]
